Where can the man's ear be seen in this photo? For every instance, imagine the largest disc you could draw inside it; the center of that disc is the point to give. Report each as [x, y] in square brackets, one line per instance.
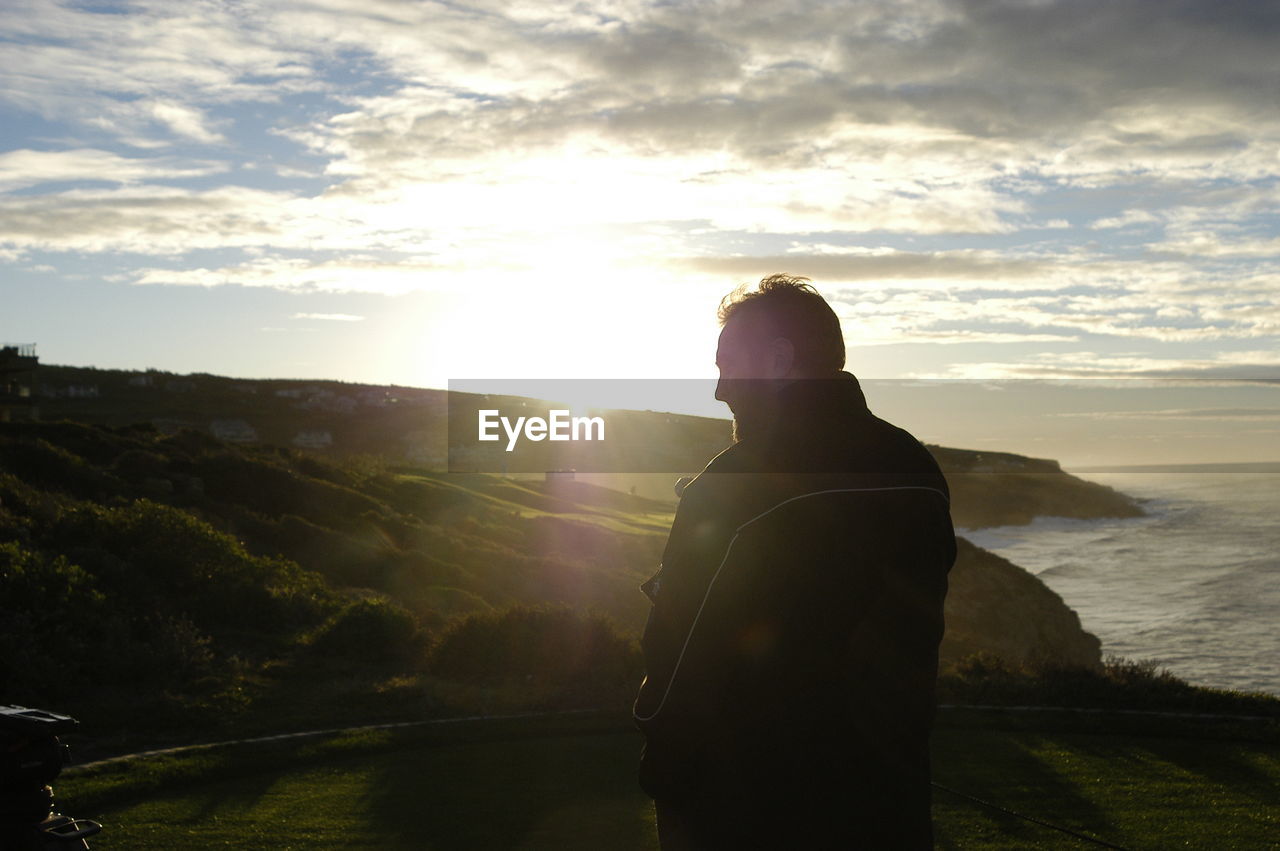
[782, 356]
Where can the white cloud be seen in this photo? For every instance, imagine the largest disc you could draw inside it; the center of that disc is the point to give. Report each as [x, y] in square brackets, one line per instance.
[1126, 219]
[1237, 366]
[22, 168]
[1210, 244]
[1200, 414]
[185, 121]
[330, 317]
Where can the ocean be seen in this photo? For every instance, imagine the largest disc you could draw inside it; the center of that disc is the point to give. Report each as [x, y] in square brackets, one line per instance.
[1195, 585]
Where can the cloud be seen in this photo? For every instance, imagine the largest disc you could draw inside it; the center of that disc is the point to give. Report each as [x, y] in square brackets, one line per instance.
[924, 161]
[330, 317]
[1219, 414]
[154, 62]
[152, 220]
[351, 274]
[1210, 244]
[1091, 93]
[23, 168]
[185, 121]
[855, 266]
[1256, 366]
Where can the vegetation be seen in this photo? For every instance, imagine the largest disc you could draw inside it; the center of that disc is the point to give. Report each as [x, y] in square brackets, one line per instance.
[212, 587]
[215, 591]
[568, 782]
[194, 581]
[1122, 684]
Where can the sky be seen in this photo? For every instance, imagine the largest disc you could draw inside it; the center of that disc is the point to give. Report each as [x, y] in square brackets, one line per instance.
[419, 192]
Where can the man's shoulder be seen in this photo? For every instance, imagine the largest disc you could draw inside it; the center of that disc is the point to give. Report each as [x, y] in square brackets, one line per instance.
[735, 458]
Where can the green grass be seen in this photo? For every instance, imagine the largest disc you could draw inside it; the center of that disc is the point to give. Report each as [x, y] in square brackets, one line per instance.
[569, 783]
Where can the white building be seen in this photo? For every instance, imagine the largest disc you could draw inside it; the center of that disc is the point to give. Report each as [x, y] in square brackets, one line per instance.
[234, 431]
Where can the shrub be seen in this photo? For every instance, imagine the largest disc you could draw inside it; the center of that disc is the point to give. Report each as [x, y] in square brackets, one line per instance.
[549, 645]
[161, 558]
[370, 631]
[1120, 684]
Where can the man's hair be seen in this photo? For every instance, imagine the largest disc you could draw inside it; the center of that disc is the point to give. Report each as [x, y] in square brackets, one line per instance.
[794, 310]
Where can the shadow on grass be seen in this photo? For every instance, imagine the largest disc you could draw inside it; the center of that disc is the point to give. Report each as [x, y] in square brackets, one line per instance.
[1009, 773]
[575, 792]
[1229, 766]
[225, 798]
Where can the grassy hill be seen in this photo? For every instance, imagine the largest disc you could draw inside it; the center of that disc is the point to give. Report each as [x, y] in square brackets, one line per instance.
[153, 570]
[646, 452]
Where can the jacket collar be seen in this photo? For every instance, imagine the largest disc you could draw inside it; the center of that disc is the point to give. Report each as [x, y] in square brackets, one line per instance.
[808, 399]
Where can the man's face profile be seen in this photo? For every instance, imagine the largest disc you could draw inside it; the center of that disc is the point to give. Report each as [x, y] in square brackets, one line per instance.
[744, 384]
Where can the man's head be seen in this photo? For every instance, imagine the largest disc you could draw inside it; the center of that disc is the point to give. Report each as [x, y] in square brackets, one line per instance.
[779, 332]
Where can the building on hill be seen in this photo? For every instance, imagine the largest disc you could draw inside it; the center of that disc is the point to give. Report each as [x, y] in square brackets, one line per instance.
[315, 438]
[375, 398]
[18, 363]
[234, 431]
[330, 402]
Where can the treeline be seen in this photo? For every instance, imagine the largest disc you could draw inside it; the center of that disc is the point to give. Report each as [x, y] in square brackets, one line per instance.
[170, 575]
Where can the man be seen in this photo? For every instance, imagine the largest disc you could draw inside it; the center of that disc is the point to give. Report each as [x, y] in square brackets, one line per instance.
[792, 649]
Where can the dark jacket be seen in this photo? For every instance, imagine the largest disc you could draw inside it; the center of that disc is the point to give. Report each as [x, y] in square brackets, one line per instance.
[792, 649]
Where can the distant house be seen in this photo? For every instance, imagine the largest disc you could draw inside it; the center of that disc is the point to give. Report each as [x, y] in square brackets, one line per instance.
[82, 391]
[246, 389]
[143, 380]
[18, 363]
[374, 398]
[234, 431]
[313, 439]
[179, 385]
[327, 401]
[291, 393]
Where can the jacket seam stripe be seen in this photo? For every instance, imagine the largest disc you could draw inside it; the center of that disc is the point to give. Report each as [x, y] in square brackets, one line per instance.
[711, 585]
[842, 490]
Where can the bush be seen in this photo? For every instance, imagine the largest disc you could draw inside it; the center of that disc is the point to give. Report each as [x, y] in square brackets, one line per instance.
[41, 464]
[370, 632]
[1120, 684]
[61, 634]
[550, 646]
[160, 558]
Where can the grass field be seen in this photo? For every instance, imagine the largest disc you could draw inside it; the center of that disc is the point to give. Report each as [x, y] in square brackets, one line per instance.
[569, 783]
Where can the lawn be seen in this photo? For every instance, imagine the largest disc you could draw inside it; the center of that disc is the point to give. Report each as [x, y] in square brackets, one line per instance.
[569, 783]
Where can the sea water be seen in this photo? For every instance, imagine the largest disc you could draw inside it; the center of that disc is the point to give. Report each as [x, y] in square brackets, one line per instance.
[1194, 585]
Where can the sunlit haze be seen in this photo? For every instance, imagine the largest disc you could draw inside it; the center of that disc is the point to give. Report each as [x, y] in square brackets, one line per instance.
[415, 193]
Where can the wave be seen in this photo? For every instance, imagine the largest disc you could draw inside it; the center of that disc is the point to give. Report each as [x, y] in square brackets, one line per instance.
[1194, 581]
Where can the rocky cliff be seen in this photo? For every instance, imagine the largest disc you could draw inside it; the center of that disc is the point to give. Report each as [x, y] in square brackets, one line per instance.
[1003, 489]
[995, 607]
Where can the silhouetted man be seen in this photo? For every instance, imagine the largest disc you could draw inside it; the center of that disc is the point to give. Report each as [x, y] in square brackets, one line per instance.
[792, 648]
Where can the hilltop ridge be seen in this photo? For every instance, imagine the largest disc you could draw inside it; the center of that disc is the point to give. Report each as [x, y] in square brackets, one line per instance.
[404, 425]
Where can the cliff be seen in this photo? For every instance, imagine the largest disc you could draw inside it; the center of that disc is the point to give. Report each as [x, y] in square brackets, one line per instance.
[1002, 489]
[997, 608]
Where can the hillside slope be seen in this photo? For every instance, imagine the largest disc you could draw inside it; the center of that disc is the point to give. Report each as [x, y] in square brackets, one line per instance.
[210, 552]
[647, 450]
